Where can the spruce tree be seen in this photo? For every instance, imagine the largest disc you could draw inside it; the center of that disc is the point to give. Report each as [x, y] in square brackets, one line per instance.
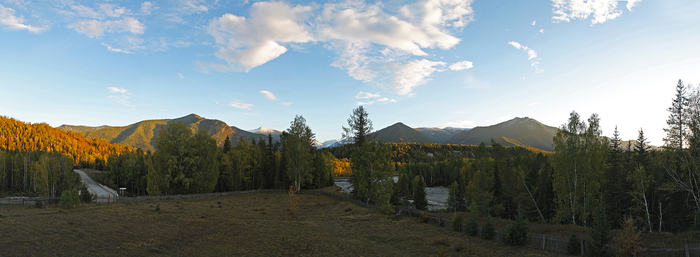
[600, 234]
[227, 145]
[419, 194]
[677, 119]
[641, 150]
[359, 127]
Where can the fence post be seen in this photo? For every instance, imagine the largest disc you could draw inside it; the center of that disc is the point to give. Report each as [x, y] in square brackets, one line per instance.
[544, 241]
[687, 251]
[582, 247]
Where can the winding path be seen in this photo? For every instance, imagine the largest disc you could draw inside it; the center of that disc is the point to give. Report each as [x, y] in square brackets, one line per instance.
[102, 193]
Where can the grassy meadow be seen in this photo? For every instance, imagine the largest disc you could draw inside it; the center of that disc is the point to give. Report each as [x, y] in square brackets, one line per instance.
[249, 225]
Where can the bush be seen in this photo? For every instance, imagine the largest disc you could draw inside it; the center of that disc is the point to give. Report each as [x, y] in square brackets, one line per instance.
[574, 245]
[487, 231]
[85, 195]
[516, 232]
[457, 222]
[472, 227]
[69, 199]
[627, 240]
[38, 203]
[423, 217]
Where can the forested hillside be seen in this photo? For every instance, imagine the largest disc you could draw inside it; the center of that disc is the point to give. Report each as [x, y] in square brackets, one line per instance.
[143, 134]
[515, 132]
[36, 159]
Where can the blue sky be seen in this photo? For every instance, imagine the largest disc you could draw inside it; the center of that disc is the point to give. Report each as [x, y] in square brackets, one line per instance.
[431, 63]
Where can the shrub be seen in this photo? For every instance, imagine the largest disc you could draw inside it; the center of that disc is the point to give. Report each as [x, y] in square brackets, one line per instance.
[85, 195]
[516, 232]
[574, 245]
[441, 222]
[627, 241]
[69, 199]
[457, 222]
[38, 203]
[599, 234]
[423, 217]
[472, 227]
[487, 231]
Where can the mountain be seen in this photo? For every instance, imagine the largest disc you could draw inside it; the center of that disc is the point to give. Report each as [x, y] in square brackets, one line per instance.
[440, 135]
[143, 134]
[400, 133]
[267, 131]
[516, 132]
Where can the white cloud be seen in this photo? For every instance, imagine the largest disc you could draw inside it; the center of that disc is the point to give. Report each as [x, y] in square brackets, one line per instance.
[194, 6]
[458, 124]
[533, 23]
[365, 103]
[383, 99]
[95, 28]
[286, 103]
[12, 22]
[371, 40]
[532, 104]
[181, 76]
[239, 104]
[246, 43]
[410, 75]
[269, 95]
[91, 28]
[112, 10]
[631, 4]
[600, 10]
[463, 65]
[85, 11]
[118, 50]
[541, 30]
[121, 99]
[117, 90]
[147, 7]
[366, 95]
[531, 55]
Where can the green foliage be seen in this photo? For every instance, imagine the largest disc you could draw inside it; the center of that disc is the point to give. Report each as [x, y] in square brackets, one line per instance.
[600, 233]
[472, 227]
[419, 194]
[298, 149]
[184, 163]
[516, 232]
[457, 222]
[455, 199]
[579, 165]
[487, 230]
[574, 245]
[372, 170]
[627, 240]
[38, 203]
[359, 127]
[69, 199]
[85, 195]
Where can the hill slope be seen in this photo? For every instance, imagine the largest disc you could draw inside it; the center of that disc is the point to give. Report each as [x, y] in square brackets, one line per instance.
[143, 134]
[440, 135]
[400, 133]
[515, 132]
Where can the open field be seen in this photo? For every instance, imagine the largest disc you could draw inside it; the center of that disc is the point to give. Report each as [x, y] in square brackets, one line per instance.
[248, 225]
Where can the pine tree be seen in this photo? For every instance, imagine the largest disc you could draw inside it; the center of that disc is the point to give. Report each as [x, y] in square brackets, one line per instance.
[600, 234]
[419, 194]
[227, 145]
[359, 127]
[677, 119]
[641, 150]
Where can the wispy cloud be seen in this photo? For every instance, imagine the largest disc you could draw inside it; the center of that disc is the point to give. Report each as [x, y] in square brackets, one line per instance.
[239, 104]
[9, 20]
[181, 76]
[533, 23]
[95, 28]
[531, 55]
[600, 10]
[269, 95]
[463, 65]
[377, 98]
[365, 95]
[286, 103]
[117, 90]
[374, 43]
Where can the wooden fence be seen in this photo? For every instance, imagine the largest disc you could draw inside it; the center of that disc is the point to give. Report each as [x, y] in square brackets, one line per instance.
[27, 201]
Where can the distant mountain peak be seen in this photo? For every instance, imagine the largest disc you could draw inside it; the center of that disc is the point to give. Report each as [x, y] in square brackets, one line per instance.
[265, 131]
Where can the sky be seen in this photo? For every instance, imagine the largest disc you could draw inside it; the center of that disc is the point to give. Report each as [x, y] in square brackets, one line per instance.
[429, 63]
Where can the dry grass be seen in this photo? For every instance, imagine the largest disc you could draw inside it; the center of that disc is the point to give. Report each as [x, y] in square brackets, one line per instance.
[249, 225]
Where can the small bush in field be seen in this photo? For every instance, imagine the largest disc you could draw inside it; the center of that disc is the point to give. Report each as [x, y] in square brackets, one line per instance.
[574, 245]
[487, 231]
[38, 204]
[457, 222]
[472, 227]
[627, 240]
[69, 199]
[423, 217]
[516, 232]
